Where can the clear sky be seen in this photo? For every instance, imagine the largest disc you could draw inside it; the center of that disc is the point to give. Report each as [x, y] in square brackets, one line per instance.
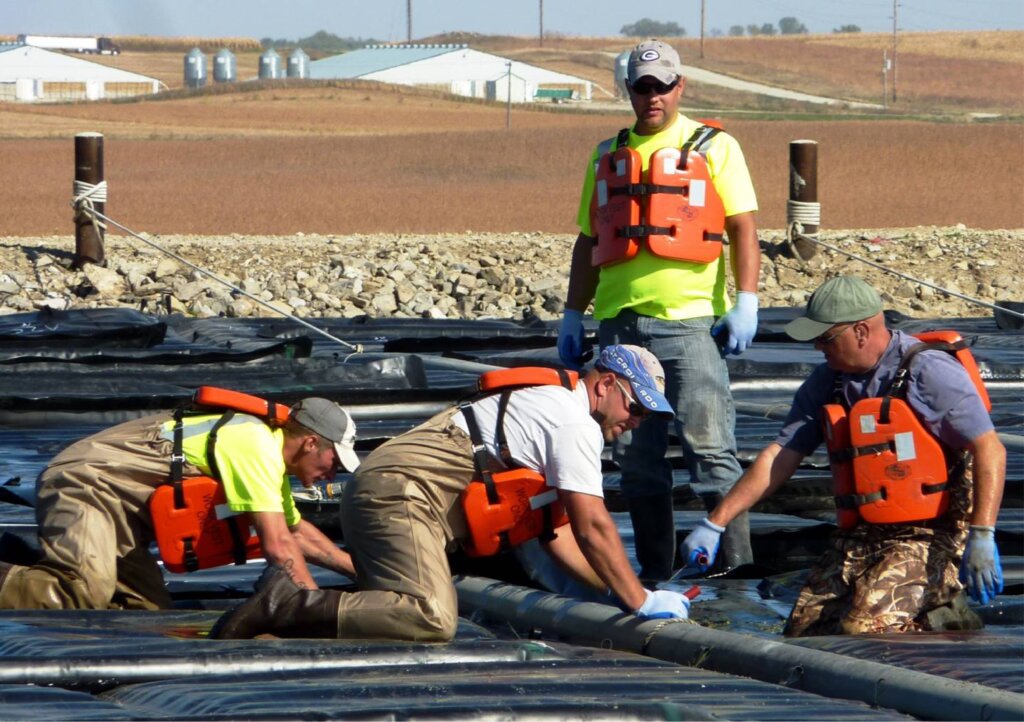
[386, 19]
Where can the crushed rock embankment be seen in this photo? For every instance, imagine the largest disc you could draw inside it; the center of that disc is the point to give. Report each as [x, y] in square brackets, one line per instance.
[469, 275]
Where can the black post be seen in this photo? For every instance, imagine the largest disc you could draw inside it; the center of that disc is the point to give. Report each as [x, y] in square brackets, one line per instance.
[88, 173]
[803, 189]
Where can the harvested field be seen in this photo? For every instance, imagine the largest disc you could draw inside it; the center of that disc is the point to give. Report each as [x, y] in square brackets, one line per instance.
[366, 158]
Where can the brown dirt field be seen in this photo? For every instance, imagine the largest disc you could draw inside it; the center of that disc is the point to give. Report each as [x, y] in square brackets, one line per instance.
[344, 160]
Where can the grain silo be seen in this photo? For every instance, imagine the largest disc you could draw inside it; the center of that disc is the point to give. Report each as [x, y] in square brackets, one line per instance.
[270, 65]
[621, 66]
[298, 64]
[224, 67]
[195, 68]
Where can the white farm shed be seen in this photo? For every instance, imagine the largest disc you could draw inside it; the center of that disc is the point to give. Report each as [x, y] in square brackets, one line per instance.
[34, 74]
[454, 68]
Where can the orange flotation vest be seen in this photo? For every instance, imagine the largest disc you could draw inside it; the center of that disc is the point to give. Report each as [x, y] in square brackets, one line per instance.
[193, 525]
[886, 466]
[674, 207]
[506, 508]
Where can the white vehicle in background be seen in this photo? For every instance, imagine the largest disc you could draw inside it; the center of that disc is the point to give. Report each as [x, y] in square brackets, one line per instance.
[72, 43]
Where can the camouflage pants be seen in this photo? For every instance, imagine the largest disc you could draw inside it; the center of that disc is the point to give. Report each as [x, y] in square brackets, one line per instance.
[885, 578]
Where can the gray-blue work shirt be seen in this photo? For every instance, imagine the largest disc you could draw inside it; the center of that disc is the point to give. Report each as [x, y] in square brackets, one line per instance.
[939, 391]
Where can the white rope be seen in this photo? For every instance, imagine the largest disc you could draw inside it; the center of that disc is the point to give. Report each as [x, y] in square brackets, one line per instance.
[806, 213]
[880, 267]
[89, 210]
[85, 196]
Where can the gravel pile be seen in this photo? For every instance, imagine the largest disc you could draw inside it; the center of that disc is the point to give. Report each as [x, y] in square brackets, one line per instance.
[468, 275]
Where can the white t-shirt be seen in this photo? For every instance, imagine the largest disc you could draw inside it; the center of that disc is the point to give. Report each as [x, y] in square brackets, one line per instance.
[549, 430]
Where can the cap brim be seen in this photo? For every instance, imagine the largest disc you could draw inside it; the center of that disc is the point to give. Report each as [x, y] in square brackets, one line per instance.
[347, 457]
[804, 329]
[653, 400]
[663, 75]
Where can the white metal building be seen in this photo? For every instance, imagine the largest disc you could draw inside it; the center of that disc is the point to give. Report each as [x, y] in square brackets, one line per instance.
[455, 68]
[34, 74]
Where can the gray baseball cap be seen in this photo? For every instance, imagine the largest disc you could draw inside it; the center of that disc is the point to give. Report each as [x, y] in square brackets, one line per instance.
[842, 299]
[326, 418]
[656, 59]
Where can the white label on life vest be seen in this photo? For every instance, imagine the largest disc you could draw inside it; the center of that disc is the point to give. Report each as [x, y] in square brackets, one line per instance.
[223, 511]
[620, 166]
[669, 164]
[548, 497]
[602, 192]
[867, 424]
[698, 189]
[904, 443]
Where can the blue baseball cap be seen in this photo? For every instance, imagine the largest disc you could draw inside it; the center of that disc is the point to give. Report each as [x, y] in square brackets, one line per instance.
[644, 373]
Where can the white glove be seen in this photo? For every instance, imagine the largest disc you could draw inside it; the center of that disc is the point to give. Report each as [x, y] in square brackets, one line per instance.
[740, 324]
[700, 547]
[663, 604]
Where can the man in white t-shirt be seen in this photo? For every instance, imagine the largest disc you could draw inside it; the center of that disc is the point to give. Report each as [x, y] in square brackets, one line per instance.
[402, 512]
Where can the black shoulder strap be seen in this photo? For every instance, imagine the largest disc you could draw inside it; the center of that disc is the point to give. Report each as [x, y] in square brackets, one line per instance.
[698, 141]
[898, 387]
[480, 457]
[211, 443]
[622, 139]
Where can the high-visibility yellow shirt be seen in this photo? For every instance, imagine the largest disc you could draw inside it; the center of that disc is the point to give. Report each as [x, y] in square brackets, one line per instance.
[249, 460]
[662, 287]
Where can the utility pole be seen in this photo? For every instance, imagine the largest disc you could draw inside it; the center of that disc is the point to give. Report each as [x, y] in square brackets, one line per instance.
[895, 6]
[885, 73]
[508, 105]
[703, 8]
[541, 36]
[408, 21]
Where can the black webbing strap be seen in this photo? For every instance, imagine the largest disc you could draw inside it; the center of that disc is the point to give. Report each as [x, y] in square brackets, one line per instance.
[237, 538]
[178, 458]
[547, 533]
[642, 231]
[898, 387]
[481, 459]
[191, 558]
[697, 140]
[622, 139]
[211, 443]
[843, 455]
[500, 440]
[853, 501]
[645, 189]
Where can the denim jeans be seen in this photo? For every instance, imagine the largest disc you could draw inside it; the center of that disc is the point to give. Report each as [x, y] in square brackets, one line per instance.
[697, 386]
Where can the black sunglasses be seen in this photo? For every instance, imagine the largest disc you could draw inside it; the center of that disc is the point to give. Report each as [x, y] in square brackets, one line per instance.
[646, 87]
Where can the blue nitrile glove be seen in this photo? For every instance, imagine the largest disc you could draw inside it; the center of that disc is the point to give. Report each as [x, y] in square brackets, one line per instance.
[740, 323]
[664, 604]
[980, 570]
[570, 339]
[702, 541]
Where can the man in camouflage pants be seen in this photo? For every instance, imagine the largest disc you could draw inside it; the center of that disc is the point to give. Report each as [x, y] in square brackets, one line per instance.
[898, 561]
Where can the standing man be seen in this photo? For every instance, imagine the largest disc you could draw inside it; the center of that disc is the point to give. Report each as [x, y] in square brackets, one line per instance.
[95, 526]
[910, 441]
[656, 201]
[410, 503]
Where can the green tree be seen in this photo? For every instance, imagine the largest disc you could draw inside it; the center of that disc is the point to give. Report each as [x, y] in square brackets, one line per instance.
[767, 29]
[847, 29]
[735, 30]
[646, 27]
[792, 26]
[753, 30]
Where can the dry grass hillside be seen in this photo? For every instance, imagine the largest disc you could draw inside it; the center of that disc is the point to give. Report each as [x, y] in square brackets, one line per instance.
[939, 72]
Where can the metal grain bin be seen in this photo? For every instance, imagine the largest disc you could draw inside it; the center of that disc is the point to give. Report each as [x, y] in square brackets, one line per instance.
[621, 65]
[298, 64]
[224, 66]
[270, 65]
[195, 69]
